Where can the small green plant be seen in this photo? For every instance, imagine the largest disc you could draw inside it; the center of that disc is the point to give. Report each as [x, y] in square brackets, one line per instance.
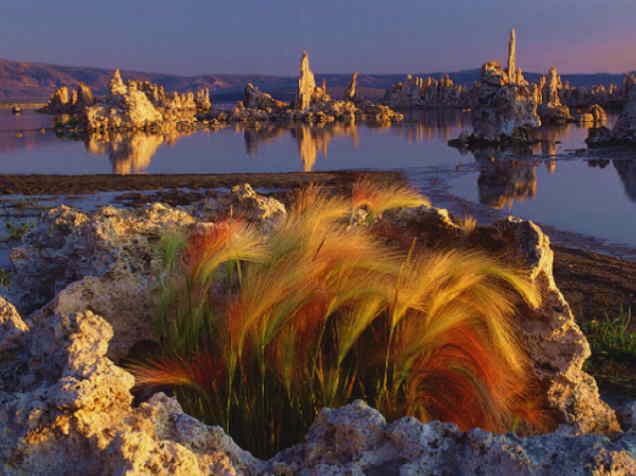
[611, 338]
[260, 332]
[5, 277]
[15, 231]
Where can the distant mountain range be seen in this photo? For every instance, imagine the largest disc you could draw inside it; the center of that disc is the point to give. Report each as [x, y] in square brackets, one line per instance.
[20, 81]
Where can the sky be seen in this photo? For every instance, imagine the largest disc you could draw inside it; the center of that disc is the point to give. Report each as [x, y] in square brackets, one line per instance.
[190, 37]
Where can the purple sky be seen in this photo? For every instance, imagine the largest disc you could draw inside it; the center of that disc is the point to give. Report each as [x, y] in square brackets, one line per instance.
[372, 36]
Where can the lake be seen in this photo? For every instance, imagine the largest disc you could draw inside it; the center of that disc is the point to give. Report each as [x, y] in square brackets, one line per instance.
[577, 194]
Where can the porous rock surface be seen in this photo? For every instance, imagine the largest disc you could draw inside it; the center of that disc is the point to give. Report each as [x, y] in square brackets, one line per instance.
[418, 92]
[65, 408]
[624, 131]
[108, 262]
[501, 108]
[64, 404]
[130, 106]
[356, 440]
[551, 110]
[503, 105]
[312, 105]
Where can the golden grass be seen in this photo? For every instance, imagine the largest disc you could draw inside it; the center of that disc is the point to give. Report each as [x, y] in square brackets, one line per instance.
[261, 332]
[467, 224]
[378, 198]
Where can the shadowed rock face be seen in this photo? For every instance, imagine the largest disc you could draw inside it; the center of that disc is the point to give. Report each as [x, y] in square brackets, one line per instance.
[624, 131]
[254, 98]
[67, 407]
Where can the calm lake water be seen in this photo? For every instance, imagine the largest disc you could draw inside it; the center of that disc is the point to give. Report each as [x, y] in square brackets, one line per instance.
[596, 198]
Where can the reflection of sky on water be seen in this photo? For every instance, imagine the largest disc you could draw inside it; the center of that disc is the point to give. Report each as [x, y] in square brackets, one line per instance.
[566, 193]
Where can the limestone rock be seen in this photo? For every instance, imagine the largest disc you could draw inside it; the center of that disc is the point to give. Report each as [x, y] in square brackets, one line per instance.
[116, 85]
[107, 261]
[556, 344]
[202, 99]
[502, 111]
[352, 89]
[593, 114]
[512, 57]
[108, 256]
[356, 440]
[86, 97]
[129, 109]
[611, 95]
[254, 98]
[12, 327]
[242, 202]
[64, 405]
[550, 109]
[624, 131]
[417, 92]
[65, 408]
[131, 106]
[69, 101]
[306, 84]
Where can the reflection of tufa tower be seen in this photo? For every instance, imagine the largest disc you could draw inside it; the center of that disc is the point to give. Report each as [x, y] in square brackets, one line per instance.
[129, 153]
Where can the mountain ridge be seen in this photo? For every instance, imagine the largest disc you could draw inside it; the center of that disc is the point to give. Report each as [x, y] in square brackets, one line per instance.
[20, 80]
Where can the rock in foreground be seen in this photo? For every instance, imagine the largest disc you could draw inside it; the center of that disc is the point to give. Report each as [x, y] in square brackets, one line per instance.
[65, 406]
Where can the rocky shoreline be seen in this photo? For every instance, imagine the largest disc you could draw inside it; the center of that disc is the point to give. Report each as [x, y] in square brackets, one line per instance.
[82, 291]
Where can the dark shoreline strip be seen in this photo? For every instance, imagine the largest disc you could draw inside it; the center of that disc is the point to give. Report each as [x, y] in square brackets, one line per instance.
[76, 184]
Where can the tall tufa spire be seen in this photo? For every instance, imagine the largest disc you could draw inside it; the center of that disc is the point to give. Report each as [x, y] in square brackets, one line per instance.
[306, 84]
[512, 56]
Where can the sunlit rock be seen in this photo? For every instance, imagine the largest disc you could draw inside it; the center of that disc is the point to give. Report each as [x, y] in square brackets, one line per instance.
[512, 57]
[417, 92]
[306, 84]
[66, 407]
[116, 85]
[593, 114]
[352, 89]
[550, 108]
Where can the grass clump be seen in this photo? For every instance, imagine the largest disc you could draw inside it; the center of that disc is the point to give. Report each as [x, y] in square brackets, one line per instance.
[613, 357]
[611, 338]
[260, 332]
[15, 231]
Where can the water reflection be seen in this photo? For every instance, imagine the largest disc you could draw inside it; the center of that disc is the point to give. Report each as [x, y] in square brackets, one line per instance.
[24, 131]
[502, 182]
[429, 125]
[627, 172]
[311, 141]
[128, 153]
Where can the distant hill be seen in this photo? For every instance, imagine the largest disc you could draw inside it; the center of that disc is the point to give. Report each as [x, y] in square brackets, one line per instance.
[37, 81]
